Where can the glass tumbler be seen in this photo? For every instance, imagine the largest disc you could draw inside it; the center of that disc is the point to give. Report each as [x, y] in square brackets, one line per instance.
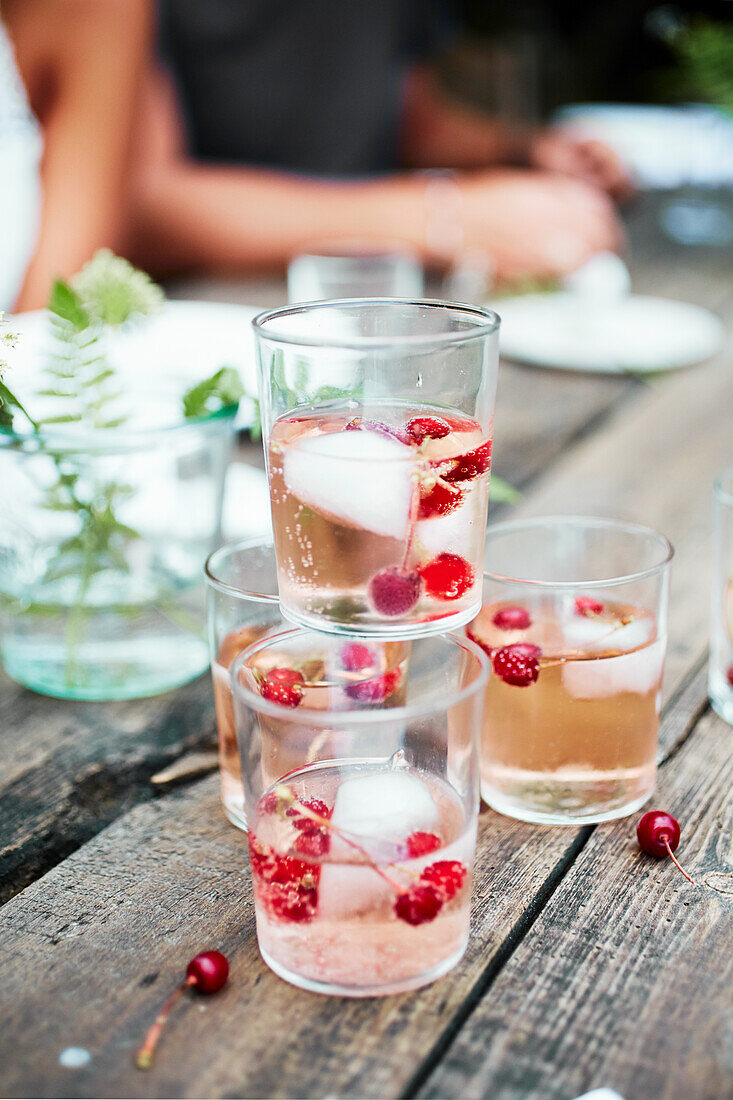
[377, 421]
[361, 791]
[353, 270]
[720, 675]
[575, 623]
[243, 606]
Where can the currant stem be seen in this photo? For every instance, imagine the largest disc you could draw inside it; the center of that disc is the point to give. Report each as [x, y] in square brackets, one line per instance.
[145, 1054]
[670, 853]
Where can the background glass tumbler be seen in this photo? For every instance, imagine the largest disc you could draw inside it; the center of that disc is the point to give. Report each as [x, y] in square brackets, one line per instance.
[347, 269]
[575, 622]
[243, 606]
[720, 675]
[377, 419]
[361, 791]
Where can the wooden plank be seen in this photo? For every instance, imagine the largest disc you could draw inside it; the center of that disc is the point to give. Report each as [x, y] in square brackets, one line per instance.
[625, 978]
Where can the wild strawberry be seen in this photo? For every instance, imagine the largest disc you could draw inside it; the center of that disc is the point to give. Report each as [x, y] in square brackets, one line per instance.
[394, 591]
[517, 665]
[426, 427]
[283, 686]
[447, 577]
[587, 606]
[422, 844]
[355, 657]
[512, 618]
[470, 465]
[440, 500]
[377, 689]
[447, 876]
[419, 904]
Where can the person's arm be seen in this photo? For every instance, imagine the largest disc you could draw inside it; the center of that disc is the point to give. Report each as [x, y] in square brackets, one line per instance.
[439, 131]
[81, 61]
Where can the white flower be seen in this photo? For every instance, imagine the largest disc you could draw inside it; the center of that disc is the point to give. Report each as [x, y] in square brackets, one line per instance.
[112, 290]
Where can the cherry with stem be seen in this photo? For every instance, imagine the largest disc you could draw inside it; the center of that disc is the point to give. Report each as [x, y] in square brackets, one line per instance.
[206, 973]
[658, 834]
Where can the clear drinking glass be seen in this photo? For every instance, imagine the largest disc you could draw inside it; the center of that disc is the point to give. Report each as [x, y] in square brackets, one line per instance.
[243, 606]
[102, 541]
[354, 270]
[361, 791]
[377, 418]
[575, 622]
[720, 676]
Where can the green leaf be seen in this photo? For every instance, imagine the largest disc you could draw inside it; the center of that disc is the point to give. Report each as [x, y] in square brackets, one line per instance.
[221, 390]
[501, 492]
[65, 418]
[66, 304]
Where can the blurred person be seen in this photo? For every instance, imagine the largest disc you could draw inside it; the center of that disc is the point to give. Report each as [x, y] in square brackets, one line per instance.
[273, 124]
[69, 78]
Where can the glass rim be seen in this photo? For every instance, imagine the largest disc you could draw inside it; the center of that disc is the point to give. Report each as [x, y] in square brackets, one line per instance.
[362, 716]
[73, 438]
[597, 522]
[248, 542]
[486, 323]
[722, 494]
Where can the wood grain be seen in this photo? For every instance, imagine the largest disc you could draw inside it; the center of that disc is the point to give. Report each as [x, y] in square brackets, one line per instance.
[625, 978]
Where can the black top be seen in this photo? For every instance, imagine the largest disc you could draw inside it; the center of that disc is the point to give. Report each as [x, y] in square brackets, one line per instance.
[303, 85]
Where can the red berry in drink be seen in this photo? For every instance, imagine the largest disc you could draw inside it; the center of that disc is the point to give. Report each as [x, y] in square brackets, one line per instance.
[269, 803]
[377, 689]
[729, 675]
[355, 657]
[447, 876]
[441, 500]
[283, 686]
[447, 577]
[291, 902]
[314, 843]
[419, 904]
[422, 844]
[470, 465]
[512, 618]
[394, 591]
[517, 665]
[209, 971]
[301, 821]
[658, 834]
[587, 606]
[427, 427]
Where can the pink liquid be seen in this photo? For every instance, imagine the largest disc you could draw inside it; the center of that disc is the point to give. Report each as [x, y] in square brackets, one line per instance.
[580, 743]
[349, 503]
[346, 937]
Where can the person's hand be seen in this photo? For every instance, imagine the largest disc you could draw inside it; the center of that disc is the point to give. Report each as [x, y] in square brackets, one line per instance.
[535, 224]
[584, 159]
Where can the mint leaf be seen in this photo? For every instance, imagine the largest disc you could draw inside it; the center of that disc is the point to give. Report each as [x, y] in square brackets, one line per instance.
[66, 304]
[222, 389]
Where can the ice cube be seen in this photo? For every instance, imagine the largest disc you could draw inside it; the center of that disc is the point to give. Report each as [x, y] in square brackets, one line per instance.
[345, 890]
[637, 672]
[593, 635]
[454, 533]
[362, 478]
[387, 805]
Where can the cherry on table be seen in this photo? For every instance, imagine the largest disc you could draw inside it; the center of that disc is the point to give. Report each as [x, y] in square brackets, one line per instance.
[658, 834]
[206, 973]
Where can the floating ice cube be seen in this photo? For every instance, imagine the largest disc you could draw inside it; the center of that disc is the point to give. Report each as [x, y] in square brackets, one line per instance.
[637, 672]
[346, 890]
[387, 805]
[454, 533]
[596, 634]
[361, 478]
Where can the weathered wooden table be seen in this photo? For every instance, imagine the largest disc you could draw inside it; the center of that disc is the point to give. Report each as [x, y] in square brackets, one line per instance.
[588, 965]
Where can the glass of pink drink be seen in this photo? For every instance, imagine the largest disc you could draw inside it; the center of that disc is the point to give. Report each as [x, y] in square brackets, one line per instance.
[720, 669]
[377, 416]
[243, 606]
[574, 621]
[361, 789]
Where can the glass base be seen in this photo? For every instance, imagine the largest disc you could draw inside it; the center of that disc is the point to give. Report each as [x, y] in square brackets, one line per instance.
[417, 982]
[721, 694]
[522, 807]
[235, 816]
[399, 631]
[723, 708]
[102, 673]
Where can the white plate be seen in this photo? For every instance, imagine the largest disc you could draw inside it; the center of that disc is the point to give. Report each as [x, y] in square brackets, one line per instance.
[186, 342]
[634, 333]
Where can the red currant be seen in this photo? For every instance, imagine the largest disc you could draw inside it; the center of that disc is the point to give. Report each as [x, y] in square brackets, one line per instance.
[427, 427]
[471, 464]
[512, 618]
[447, 577]
[419, 904]
[587, 606]
[447, 876]
[422, 844]
[441, 500]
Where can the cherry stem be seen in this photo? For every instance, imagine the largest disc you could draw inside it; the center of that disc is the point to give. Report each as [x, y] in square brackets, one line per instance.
[145, 1054]
[665, 841]
[287, 795]
[412, 520]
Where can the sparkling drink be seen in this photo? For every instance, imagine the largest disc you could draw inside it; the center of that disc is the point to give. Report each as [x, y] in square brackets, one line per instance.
[379, 515]
[572, 707]
[362, 877]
